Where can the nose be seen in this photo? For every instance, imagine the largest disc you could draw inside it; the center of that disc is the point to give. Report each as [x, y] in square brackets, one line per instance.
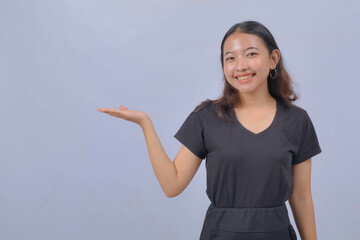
[241, 65]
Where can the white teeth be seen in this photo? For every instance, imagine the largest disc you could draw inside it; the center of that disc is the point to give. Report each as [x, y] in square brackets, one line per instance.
[245, 77]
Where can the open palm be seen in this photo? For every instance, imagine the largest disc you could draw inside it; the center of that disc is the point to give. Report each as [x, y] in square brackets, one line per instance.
[126, 114]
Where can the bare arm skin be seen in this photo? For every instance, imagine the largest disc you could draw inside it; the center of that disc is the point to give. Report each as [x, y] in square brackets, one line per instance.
[301, 201]
[173, 176]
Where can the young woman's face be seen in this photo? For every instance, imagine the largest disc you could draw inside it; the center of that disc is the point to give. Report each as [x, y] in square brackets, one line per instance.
[246, 62]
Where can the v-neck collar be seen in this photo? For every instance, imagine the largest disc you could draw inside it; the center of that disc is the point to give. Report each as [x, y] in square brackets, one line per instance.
[265, 131]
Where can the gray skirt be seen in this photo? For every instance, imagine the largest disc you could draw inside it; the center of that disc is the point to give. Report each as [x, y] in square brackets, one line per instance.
[270, 223]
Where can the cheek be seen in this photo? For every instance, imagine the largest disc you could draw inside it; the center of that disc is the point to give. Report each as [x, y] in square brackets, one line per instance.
[228, 69]
[260, 64]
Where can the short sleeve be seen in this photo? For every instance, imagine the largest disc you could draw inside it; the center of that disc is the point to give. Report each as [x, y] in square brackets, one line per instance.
[191, 134]
[309, 144]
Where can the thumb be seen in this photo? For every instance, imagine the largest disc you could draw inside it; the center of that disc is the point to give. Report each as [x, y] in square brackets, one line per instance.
[123, 107]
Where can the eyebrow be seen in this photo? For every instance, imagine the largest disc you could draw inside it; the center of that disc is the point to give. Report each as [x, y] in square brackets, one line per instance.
[243, 51]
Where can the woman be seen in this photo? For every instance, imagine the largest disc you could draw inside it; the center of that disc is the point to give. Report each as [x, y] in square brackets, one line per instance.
[257, 144]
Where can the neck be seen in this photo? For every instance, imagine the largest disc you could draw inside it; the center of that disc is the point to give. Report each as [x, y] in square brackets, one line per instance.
[253, 101]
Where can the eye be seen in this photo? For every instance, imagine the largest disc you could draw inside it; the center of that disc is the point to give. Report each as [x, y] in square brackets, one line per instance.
[229, 58]
[253, 53]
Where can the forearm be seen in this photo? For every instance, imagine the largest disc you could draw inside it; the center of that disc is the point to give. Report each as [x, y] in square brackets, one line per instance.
[303, 212]
[164, 168]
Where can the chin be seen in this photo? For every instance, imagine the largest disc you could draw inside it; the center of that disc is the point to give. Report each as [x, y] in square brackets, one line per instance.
[246, 92]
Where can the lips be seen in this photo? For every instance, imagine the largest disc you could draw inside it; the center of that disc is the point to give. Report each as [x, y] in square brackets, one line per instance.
[245, 77]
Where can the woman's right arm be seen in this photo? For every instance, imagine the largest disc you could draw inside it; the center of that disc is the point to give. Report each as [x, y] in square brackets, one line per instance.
[173, 176]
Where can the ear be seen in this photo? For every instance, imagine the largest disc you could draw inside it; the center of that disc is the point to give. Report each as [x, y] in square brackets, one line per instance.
[274, 58]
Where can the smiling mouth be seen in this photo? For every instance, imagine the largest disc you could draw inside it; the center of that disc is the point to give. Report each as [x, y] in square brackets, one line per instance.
[245, 78]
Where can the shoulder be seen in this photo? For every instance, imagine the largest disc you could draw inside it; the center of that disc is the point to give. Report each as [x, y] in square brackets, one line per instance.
[293, 111]
[293, 116]
[205, 112]
[204, 107]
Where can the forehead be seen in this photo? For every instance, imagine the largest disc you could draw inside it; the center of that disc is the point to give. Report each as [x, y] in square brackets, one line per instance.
[240, 41]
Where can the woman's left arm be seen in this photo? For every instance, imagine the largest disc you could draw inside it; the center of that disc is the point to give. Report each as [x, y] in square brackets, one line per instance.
[301, 201]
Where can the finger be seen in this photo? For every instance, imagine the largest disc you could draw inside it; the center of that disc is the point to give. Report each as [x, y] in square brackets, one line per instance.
[123, 107]
[106, 110]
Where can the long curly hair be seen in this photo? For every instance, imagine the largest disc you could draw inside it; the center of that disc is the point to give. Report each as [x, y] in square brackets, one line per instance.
[280, 88]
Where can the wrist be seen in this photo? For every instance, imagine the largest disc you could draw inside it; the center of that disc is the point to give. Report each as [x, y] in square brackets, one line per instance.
[145, 121]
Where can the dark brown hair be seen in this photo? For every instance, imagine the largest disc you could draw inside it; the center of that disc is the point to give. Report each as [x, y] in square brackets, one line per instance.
[279, 88]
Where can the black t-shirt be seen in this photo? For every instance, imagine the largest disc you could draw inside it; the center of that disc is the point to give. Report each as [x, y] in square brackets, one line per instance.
[245, 169]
